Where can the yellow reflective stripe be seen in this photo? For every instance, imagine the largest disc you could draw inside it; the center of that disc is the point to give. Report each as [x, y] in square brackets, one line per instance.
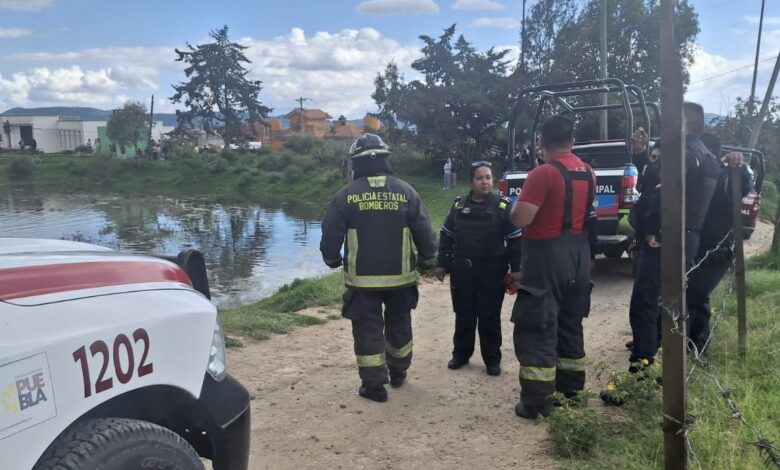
[371, 360]
[572, 365]
[538, 374]
[502, 205]
[394, 280]
[406, 254]
[399, 353]
[352, 249]
[377, 181]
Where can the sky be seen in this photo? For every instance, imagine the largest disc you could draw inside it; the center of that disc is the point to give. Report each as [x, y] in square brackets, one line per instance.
[102, 54]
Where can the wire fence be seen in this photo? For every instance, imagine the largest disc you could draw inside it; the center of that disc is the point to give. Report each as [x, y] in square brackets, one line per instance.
[767, 449]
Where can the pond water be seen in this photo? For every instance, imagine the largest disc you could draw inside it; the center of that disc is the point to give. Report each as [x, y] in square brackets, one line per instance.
[251, 248]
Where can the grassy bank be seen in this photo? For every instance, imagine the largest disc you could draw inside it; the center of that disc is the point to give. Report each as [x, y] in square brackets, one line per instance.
[630, 437]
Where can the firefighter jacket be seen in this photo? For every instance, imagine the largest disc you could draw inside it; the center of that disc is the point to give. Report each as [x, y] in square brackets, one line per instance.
[387, 232]
[702, 170]
[480, 231]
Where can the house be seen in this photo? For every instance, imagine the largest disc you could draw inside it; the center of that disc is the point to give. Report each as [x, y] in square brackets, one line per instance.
[312, 122]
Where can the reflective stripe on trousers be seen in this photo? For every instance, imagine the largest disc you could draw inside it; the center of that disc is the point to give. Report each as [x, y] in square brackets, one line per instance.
[371, 360]
[571, 365]
[399, 353]
[537, 374]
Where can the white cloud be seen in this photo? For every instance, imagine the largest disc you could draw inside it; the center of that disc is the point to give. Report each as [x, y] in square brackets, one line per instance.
[768, 20]
[11, 33]
[717, 81]
[477, 5]
[26, 5]
[336, 70]
[504, 22]
[73, 85]
[398, 7]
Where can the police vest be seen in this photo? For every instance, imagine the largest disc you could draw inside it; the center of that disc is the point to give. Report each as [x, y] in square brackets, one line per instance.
[478, 228]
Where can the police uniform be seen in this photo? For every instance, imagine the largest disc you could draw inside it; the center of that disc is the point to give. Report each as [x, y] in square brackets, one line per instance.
[554, 294]
[476, 245]
[380, 220]
[718, 249]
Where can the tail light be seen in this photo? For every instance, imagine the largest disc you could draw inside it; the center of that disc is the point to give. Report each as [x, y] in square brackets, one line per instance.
[628, 192]
[502, 188]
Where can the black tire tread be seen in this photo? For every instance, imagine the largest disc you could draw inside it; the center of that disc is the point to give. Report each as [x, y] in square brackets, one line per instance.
[76, 445]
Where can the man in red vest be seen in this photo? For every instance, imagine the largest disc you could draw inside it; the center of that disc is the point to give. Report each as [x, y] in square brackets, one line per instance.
[554, 294]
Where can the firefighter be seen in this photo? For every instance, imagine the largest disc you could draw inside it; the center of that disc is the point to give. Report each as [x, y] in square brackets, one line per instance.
[379, 219]
[477, 244]
[554, 292]
[716, 250]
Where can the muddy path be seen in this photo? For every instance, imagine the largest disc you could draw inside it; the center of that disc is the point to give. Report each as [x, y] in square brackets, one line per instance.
[306, 412]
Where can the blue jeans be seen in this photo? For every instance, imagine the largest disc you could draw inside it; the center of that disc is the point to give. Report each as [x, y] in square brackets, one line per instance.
[447, 180]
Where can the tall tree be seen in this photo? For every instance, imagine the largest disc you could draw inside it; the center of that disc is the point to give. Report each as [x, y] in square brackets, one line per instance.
[127, 125]
[218, 89]
[633, 43]
[461, 102]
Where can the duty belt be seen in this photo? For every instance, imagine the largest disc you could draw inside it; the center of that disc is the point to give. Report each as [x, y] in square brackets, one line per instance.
[471, 262]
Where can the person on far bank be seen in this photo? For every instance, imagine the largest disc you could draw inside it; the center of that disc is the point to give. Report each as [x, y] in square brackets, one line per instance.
[553, 295]
[455, 167]
[380, 220]
[477, 244]
[447, 173]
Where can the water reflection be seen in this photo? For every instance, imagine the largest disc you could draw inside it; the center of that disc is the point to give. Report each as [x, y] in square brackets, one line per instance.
[250, 249]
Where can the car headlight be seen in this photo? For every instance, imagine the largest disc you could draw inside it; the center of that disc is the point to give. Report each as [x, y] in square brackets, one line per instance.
[217, 364]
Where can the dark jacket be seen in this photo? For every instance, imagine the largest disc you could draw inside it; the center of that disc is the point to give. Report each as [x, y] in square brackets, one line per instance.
[702, 170]
[720, 219]
[480, 231]
[382, 219]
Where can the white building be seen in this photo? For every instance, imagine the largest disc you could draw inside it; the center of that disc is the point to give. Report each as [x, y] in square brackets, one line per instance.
[54, 134]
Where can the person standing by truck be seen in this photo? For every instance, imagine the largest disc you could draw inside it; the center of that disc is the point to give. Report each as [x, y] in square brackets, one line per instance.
[554, 293]
[476, 245]
[381, 218]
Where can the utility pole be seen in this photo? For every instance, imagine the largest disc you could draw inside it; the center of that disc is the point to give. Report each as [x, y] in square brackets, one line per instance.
[300, 110]
[522, 42]
[759, 121]
[151, 123]
[752, 101]
[673, 267]
[603, 55]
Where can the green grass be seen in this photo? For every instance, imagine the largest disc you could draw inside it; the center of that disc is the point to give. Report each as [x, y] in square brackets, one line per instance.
[632, 436]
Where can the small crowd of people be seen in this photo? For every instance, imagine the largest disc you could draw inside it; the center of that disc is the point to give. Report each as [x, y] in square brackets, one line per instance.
[451, 168]
[541, 248]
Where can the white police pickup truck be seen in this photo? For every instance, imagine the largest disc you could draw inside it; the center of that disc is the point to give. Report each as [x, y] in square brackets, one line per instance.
[113, 361]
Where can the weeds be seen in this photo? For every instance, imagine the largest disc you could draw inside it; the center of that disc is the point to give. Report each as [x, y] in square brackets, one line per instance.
[575, 429]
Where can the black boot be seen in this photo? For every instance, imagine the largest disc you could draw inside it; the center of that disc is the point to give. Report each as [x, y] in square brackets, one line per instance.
[457, 363]
[397, 378]
[532, 412]
[373, 393]
[630, 345]
[493, 369]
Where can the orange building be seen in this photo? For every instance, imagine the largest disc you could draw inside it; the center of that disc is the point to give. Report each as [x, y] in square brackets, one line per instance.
[315, 122]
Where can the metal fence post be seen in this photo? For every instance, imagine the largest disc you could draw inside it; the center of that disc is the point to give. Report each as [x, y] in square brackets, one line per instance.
[673, 251]
[739, 259]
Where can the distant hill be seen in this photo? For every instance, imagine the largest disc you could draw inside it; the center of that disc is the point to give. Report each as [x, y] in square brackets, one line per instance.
[84, 113]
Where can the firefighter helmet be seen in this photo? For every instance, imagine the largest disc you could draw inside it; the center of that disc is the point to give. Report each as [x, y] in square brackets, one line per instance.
[368, 145]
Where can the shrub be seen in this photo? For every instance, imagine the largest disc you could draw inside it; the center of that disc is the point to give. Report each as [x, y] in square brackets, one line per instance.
[219, 165]
[78, 170]
[303, 144]
[230, 155]
[294, 173]
[20, 168]
[268, 162]
[575, 429]
[84, 149]
[182, 152]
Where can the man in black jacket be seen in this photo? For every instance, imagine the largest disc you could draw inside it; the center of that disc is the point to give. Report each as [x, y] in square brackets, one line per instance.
[381, 218]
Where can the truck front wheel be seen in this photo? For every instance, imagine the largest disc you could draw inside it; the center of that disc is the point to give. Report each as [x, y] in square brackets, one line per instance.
[119, 444]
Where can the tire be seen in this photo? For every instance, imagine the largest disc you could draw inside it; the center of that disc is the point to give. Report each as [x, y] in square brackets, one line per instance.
[119, 444]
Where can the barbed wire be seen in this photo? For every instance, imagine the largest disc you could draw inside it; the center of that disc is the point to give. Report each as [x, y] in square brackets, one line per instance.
[765, 447]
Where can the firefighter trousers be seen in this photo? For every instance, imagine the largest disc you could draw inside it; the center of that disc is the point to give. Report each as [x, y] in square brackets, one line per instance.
[381, 330]
[552, 300]
[477, 292]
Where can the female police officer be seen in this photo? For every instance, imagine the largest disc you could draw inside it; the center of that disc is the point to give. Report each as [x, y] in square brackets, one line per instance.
[476, 244]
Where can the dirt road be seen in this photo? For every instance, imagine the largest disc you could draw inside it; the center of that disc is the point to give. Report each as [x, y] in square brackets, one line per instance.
[306, 412]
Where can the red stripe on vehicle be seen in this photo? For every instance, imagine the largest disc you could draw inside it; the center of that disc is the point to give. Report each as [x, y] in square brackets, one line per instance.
[29, 281]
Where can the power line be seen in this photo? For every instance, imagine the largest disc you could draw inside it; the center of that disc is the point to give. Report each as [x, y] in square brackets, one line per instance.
[733, 70]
